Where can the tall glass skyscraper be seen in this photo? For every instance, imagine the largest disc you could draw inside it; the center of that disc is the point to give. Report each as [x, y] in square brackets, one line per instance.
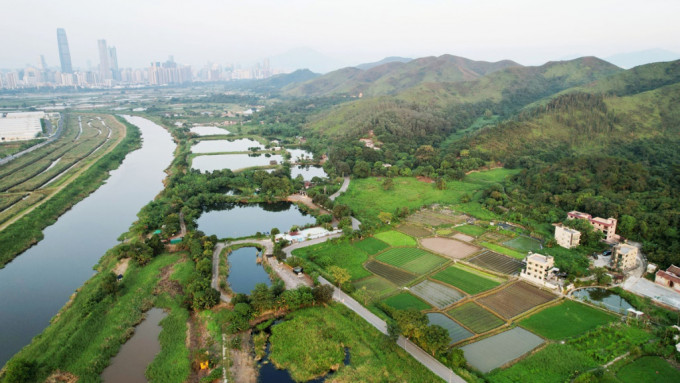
[64, 52]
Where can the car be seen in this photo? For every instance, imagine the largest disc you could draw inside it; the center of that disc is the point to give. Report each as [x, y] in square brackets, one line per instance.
[607, 253]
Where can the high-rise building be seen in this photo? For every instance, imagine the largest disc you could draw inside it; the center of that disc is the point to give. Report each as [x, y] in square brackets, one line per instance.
[104, 65]
[64, 52]
[113, 57]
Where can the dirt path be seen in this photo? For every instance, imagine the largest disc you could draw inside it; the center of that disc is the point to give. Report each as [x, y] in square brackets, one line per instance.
[305, 200]
[243, 364]
[121, 266]
[59, 188]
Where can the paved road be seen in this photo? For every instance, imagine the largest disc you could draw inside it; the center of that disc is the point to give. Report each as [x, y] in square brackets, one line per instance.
[214, 283]
[421, 356]
[343, 188]
[289, 250]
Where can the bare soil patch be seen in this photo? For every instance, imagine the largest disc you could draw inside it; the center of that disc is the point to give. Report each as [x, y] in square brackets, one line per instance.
[425, 179]
[463, 237]
[61, 377]
[516, 299]
[243, 362]
[436, 218]
[121, 266]
[449, 247]
[305, 200]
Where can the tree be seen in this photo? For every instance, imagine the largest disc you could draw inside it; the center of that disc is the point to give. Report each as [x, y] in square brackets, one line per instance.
[340, 275]
[393, 330]
[323, 294]
[362, 169]
[110, 283]
[365, 296]
[441, 184]
[385, 217]
[275, 231]
[456, 358]
[341, 210]
[261, 298]
[411, 322]
[20, 371]
[388, 184]
[434, 339]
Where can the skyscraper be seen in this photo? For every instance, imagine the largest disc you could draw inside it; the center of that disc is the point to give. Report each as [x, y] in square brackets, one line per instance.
[113, 57]
[104, 65]
[64, 53]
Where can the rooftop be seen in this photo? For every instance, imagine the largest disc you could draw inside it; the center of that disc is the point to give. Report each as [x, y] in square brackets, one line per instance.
[539, 258]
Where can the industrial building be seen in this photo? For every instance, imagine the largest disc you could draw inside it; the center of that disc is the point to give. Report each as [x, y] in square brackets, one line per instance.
[20, 126]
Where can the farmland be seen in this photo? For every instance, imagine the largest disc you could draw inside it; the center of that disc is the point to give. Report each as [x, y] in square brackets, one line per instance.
[375, 284]
[500, 349]
[412, 259]
[516, 299]
[472, 230]
[395, 238]
[450, 247]
[649, 369]
[392, 274]
[467, 281]
[434, 218]
[475, 317]
[504, 250]
[371, 245]
[496, 262]
[437, 294]
[566, 320]
[456, 331]
[342, 255]
[523, 244]
[403, 301]
[414, 230]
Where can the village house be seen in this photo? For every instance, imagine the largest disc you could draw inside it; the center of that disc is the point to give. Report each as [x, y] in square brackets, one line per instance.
[625, 256]
[669, 278]
[540, 270]
[566, 237]
[607, 226]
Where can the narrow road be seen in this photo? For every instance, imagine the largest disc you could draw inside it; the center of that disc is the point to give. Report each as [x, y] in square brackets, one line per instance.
[343, 188]
[215, 282]
[289, 250]
[421, 356]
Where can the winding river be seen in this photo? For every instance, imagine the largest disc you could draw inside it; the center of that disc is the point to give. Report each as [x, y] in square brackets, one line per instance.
[35, 285]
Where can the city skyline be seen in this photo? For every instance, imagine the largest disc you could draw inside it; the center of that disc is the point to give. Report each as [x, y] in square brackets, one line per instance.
[527, 31]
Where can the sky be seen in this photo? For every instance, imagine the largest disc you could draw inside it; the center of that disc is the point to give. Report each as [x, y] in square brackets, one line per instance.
[346, 32]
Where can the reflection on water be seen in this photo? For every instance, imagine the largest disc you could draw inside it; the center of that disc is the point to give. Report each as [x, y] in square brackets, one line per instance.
[607, 298]
[234, 161]
[223, 146]
[244, 271]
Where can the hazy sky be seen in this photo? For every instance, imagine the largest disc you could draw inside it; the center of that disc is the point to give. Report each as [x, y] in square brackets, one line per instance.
[350, 31]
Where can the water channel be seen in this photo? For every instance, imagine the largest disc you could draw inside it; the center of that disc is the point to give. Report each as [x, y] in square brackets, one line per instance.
[244, 220]
[130, 364]
[39, 282]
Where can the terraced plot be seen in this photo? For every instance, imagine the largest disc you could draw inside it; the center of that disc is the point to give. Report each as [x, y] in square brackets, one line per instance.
[392, 274]
[403, 301]
[476, 317]
[437, 294]
[371, 245]
[516, 299]
[496, 262]
[412, 259]
[450, 247]
[456, 331]
[375, 284]
[414, 230]
[471, 283]
[500, 349]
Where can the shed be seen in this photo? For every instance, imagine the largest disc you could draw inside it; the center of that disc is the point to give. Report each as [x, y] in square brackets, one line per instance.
[175, 240]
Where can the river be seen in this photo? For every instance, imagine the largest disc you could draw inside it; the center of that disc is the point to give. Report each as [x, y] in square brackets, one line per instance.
[36, 284]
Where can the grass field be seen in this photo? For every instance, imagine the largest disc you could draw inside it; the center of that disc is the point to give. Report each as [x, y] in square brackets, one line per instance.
[516, 299]
[342, 255]
[412, 259]
[524, 244]
[392, 274]
[465, 280]
[504, 250]
[312, 341]
[540, 367]
[403, 301]
[395, 238]
[437, 294]
[649, 369]
[472, 230]
[566, 320]
[371, 245]
[367, 196]
[476, 317]
[375, 284]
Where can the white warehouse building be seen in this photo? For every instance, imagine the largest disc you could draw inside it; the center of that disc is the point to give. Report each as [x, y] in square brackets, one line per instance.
[20, 126]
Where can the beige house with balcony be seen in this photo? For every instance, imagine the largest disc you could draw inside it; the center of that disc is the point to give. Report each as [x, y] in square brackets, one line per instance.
[566, 237]
[607, 226]
[625, 256]
[540, 270]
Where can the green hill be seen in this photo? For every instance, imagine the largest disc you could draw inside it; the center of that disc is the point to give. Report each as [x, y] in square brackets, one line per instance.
[395, 76]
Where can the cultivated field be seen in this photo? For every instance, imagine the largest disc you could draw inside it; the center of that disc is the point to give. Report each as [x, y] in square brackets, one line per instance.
[463, 237]
[342, 255]
[566, 320]
[516, 299]
[449, 247]
[523, 244]
[504, 250]
[472, 230]
[649, 369]
[500, 349]
[496, 262]
[456, 331]
[433, 218]
[395, 238]
[476, 317]
[412, 259]
[403, 301]
[371, 245]
[437, 294]
[414, 230]
[375, 284]
[466, 280]
[392, 274]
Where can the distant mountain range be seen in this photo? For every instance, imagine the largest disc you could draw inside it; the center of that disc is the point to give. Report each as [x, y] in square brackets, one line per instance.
[633, 59]
[386, 60]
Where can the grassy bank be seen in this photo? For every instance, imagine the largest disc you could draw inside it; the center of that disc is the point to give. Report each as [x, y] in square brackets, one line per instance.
[312, 342]
[27, 231]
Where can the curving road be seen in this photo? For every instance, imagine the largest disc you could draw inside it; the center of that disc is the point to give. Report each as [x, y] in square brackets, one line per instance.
[343, 188]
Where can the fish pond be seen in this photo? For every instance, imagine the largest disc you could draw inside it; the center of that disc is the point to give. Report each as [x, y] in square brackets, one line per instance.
[234, 161]
[226, 146]
[603, 297]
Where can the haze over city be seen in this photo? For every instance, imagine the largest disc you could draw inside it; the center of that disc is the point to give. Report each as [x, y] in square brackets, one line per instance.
[346, 33]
